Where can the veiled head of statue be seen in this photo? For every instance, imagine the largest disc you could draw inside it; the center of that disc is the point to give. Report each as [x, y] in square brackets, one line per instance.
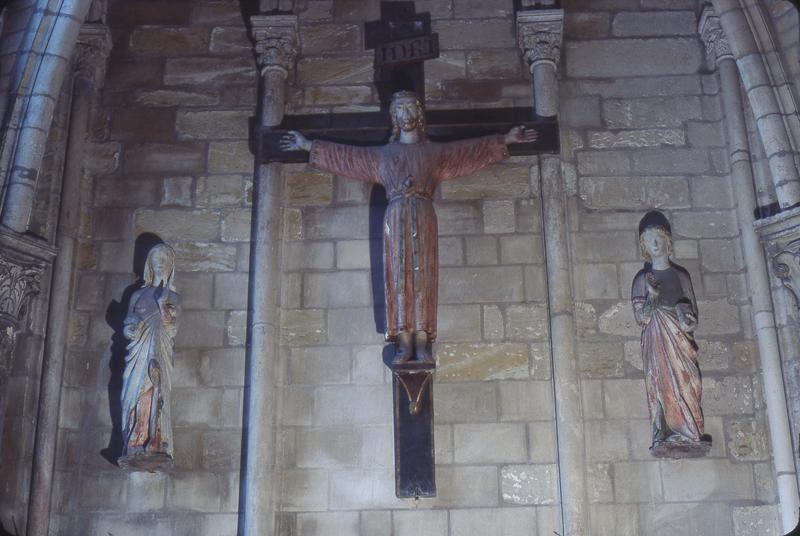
[159, 268]
[408, 114]
[655, 218]
[655, 235]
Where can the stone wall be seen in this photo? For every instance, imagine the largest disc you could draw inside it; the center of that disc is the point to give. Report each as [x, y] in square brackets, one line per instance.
[635, 142]
[641, 128]
[169, 156]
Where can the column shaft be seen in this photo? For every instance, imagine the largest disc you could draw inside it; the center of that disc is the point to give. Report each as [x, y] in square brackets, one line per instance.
[758, 282]
[545, 88]
[769, 123]
[44, 451]
[566, 382]
[275, 38]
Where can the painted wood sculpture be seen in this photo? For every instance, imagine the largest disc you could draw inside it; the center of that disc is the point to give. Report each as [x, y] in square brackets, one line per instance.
[150, 325]
[410, 167]
[664, 306]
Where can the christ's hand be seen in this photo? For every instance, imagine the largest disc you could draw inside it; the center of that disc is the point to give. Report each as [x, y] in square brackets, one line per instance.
[520, 134]
[294, 141]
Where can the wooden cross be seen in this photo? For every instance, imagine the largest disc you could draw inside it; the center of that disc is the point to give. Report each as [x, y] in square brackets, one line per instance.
[402, 40]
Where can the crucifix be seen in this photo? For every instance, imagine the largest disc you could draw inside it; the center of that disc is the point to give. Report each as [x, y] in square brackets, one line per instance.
[410, 167]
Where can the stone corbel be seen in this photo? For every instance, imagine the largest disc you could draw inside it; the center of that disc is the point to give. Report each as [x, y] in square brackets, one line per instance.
[91, 52]
[540, 33]
[20, 282]
[786, 266]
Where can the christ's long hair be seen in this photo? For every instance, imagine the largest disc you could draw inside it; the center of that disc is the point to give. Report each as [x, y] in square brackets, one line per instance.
[401, 95]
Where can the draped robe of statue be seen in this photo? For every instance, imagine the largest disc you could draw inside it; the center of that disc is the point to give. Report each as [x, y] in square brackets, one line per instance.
[150, 325]
[410, 173]
[672, 375]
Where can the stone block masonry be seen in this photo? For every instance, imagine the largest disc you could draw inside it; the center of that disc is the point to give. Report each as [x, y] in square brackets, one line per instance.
[654, 143]
[640, 128]
[173, 118]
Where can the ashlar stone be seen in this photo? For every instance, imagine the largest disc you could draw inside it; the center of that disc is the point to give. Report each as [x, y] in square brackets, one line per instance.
[481, 361]
[756, 520]
[490, 443]
[526, 401]
[503, 181]
[747, 440]
[605, 139]
[204, 257]
[324, 523]
[653, 23]
[707, 479]
[634, 192]
[526, 322]
[506, 521]
[420, 523]
[529, 484]
[303, 326]
[600, 58]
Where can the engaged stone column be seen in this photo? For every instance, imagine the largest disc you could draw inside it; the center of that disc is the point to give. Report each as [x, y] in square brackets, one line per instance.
[93, 46]
[540, 34]
[275, 40]
[766, 109]
[540, 39]
[51, 39]
[719, 52]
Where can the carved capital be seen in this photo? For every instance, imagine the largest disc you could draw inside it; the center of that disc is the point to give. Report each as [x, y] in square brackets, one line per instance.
[19, 283]
[91, 51]
[786, 267]
[540, 33]
[713, 36]
[275, 39]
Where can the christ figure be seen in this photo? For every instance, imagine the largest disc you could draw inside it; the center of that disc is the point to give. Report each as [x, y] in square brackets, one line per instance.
[409, 167]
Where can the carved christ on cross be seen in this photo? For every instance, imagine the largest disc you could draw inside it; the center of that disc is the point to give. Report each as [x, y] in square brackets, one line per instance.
[410, 167]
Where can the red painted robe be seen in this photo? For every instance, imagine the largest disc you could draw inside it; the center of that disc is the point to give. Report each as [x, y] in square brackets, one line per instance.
[672, 375]
[410, 173]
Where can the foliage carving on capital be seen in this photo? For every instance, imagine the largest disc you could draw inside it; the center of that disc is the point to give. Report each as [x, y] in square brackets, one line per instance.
[275, 40]
[19, 283]
[713, 36]
[540, 34]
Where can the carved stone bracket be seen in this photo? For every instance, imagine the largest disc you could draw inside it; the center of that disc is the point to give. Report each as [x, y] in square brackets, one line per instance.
[717, 46]
[91, 51]
[786, 266]
[276, 43]
[20, 281]
[540, 34]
